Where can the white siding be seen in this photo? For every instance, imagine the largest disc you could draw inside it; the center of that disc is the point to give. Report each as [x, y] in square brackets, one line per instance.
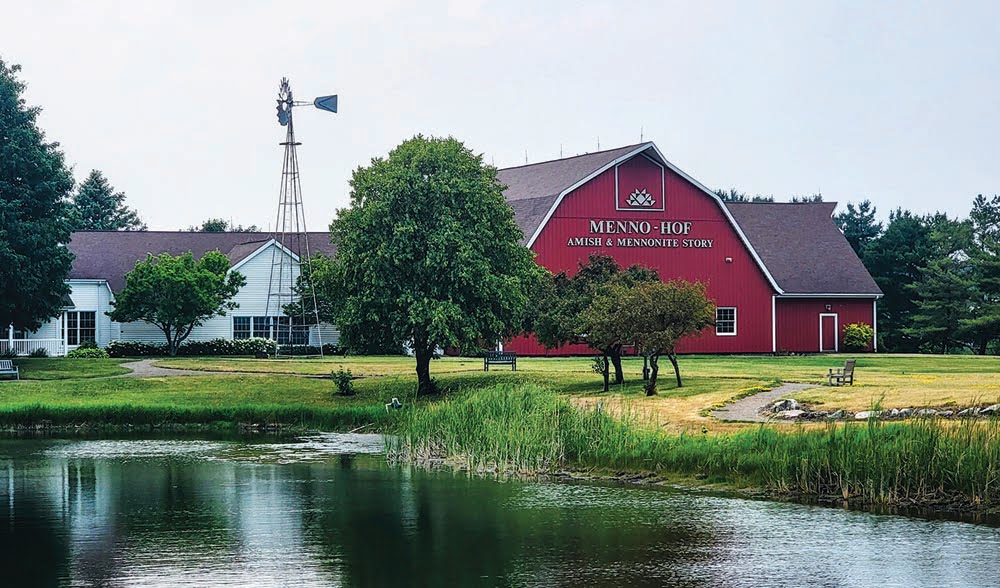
[252, 301]
[94, 295]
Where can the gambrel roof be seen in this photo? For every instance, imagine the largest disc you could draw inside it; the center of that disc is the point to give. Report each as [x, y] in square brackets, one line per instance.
[797, 246]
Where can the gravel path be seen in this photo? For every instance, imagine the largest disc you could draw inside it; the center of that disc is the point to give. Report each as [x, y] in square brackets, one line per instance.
[144, 368]
[747, 410]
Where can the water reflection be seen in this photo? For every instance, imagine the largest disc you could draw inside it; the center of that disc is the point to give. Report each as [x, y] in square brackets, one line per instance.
[323, 512]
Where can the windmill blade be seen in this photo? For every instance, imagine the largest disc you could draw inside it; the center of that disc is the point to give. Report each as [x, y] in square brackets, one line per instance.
[328, 103]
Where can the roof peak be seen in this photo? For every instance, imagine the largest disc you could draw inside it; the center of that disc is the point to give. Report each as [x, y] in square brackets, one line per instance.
[623, 147]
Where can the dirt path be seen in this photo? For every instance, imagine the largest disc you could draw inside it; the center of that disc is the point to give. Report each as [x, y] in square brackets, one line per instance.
[747, 410]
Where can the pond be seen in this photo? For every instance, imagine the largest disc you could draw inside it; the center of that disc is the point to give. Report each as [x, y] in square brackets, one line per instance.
[328, 511]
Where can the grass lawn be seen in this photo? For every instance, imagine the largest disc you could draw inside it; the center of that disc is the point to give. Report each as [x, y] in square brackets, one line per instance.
[61, 368]
[895, 380]
[269, 385]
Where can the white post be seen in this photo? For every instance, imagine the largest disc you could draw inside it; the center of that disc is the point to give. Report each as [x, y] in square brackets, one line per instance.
[65, 335]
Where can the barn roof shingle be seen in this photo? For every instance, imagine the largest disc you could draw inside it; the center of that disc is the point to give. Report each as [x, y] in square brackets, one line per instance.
[802, 248]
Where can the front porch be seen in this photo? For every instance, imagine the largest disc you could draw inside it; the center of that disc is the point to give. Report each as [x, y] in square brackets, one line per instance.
[23, 347]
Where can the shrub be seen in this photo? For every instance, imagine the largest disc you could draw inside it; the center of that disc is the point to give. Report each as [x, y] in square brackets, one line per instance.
[858, 336]
[134, 349]
[328, 349]
[87, 345]
[343, 379]
[40, 352]
[88, 353]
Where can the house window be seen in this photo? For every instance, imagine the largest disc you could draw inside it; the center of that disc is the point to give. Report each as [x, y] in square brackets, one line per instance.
[725, 320]
[241, 327]
[80, 326]
[261, 327]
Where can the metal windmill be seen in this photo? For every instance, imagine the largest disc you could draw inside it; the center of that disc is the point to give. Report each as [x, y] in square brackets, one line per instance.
[291, 303]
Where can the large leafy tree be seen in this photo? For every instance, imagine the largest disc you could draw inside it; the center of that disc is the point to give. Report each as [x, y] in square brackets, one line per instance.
[655, 316]
[97, 207]
[177, 293]
[859, 226]
[34, 185]
[562, 305]
[428, 254]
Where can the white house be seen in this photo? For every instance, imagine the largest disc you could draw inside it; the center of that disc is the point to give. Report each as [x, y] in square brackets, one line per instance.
[102, 258]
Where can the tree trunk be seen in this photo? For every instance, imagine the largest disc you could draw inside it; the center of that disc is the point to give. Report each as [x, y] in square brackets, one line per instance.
[604, 359]
[616, 359]
[424, 384]
[654, 369]
[982, 346]
[677, 369]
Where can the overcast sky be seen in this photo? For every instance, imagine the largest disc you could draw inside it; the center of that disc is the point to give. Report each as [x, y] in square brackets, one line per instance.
[898, 102]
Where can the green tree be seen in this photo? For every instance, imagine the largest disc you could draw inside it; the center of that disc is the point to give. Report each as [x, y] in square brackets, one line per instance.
[561, 307]
[177, 293]
[734, 195]
[34, 186]
[221, 225]
[807, 199]
[859, 226]
[655, 316]
[983, 326]
[896, 261]
[429, 254]
[97, 207]
[943, 302]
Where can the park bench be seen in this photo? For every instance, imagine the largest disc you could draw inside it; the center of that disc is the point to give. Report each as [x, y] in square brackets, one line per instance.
[7, 368]
[500, 358]
[839, 377]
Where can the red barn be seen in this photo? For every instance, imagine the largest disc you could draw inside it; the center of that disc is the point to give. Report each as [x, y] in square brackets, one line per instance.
[782, 275]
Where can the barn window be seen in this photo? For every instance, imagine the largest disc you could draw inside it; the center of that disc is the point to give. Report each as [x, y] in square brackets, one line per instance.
[241, 327]
[725, 320]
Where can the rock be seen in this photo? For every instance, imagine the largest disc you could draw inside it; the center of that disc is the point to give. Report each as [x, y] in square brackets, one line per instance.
[818, 414]
[789, 414]
[905, 413]
[837, 415]
[990, 410]
[785, 404]
[967, 412]
[894, 413]
[864, 415]
[926, 412]
[946, 413]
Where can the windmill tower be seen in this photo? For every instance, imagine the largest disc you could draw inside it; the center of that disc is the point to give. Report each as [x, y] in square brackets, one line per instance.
[292, 311]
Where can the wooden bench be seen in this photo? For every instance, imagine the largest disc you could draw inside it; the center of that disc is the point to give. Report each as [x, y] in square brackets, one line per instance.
[7, 368]
[500, 358]
[843, 376]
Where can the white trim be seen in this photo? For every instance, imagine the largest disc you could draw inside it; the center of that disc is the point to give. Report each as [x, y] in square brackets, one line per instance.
[735, 322]
[673, 168]
[663, 188]
[875, 326]
[836, 333]
[862, 296]
[263, 247]
[774, 325]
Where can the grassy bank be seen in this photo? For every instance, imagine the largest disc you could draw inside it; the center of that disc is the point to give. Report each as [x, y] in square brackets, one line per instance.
[525, 428]
[225, 399]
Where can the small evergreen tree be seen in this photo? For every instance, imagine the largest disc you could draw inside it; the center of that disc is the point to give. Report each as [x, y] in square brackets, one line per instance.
[97, 207]
[859, 226]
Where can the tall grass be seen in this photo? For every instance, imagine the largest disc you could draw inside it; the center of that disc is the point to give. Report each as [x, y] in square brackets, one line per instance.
[524, 428]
